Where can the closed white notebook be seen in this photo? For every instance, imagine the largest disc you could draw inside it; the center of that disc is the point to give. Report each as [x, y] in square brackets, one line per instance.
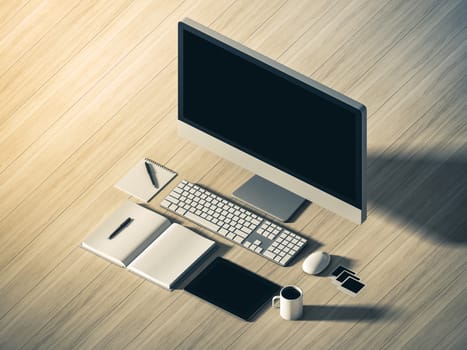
[171, 255]
[137, 181]
[145, 227]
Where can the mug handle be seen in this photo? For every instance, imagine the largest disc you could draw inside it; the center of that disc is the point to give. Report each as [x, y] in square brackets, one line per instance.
[274, 299]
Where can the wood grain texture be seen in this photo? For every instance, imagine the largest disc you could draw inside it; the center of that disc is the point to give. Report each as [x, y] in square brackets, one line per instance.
[90, 87]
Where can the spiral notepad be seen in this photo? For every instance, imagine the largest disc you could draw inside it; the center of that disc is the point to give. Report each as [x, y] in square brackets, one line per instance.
[137, 182]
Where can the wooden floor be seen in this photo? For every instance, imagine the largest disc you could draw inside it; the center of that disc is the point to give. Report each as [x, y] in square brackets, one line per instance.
[87, 88]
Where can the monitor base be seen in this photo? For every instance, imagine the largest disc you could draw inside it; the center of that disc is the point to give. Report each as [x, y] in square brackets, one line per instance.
[269, 198]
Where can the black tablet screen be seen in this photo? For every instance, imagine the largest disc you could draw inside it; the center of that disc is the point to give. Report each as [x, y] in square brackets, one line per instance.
[233, 288]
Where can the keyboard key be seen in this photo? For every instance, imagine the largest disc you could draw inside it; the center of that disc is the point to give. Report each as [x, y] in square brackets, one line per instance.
[201, 221]
[165, 203]
[285, 259]
[172, 199]
[223, 232]
[269, 254]
[246, 230]
[238, 239]
[241, 233]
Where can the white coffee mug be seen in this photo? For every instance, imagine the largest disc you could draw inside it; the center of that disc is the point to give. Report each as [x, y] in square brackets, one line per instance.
[290, 302]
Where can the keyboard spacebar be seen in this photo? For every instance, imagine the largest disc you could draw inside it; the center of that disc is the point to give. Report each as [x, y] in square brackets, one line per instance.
[201, 221]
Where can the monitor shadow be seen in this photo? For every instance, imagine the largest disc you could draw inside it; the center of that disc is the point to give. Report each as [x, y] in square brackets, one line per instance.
[425, 191]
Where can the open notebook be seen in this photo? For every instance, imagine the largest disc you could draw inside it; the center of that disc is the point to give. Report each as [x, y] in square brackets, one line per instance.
[147, 244]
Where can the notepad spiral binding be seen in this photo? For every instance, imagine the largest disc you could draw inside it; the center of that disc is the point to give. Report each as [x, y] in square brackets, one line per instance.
[159, 165]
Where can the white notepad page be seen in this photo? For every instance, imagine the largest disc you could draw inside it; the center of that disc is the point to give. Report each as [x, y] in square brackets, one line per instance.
[137, 182]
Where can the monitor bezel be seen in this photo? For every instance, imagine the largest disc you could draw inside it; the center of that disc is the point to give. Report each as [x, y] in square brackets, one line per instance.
[254, 164]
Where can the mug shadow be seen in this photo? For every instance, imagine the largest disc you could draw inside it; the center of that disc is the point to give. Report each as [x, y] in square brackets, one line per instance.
[344, 313]
[425, 191]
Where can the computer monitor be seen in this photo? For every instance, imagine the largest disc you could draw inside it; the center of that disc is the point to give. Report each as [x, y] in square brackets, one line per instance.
[302, 140]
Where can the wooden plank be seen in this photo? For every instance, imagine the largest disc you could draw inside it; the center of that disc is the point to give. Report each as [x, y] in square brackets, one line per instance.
[9, 10]
[435, 321]
[67, 38]
[417, 53]
[367, 46]
[455, 338]
[33, 21]
[329, 33]
[76, 77]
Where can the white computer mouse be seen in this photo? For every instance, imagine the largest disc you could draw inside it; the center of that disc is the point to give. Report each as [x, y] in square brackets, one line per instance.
[316, 263]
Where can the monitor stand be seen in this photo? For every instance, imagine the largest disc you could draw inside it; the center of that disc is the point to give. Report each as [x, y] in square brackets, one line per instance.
[269, 197]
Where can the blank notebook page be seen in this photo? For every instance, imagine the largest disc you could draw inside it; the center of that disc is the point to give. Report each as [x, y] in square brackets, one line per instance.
[171, 255]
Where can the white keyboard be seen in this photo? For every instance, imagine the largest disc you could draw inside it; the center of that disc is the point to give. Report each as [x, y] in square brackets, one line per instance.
[233, 222]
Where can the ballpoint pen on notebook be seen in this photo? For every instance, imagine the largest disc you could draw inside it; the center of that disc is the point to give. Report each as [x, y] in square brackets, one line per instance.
[120, 228]
[151, 174]
[145, 179]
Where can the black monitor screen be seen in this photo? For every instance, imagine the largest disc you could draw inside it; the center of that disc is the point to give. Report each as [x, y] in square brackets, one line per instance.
[270, 115]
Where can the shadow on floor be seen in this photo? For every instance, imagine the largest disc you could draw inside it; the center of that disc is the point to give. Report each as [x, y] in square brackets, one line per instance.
[427, 192]
[336, 260]
[344, 313]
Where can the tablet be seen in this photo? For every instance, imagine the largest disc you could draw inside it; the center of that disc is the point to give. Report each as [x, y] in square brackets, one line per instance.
[233, 288]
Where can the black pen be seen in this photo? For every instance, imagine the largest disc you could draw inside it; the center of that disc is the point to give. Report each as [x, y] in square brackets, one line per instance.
[121, 227]
[151, 174]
